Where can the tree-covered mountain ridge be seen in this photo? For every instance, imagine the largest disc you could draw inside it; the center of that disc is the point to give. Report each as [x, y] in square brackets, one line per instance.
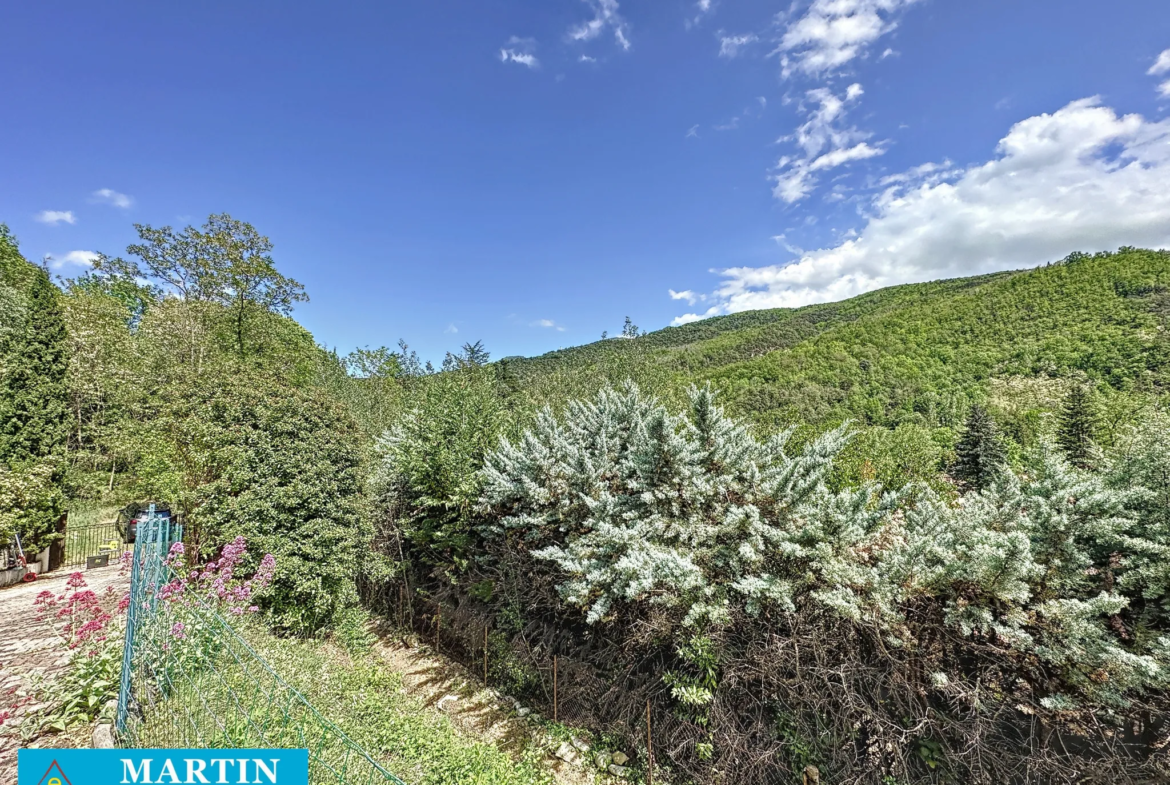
[915, 353]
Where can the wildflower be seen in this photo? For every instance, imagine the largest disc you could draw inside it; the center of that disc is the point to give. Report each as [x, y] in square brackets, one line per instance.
[76, 581]
[179, 631]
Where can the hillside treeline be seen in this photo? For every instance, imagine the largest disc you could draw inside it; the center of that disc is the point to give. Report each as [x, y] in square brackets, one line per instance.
[918, 536]
[935, 551]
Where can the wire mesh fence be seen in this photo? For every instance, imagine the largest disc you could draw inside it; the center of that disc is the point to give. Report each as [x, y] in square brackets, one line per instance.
[191, 679]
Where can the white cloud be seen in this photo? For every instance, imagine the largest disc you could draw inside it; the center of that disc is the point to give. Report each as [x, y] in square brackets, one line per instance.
[705, 8]
[693, 132]
[842, 156]
[1081, 178]
[687, 318]
[686, 294]
[605, 15]
[520, 50]
[111, 197]
[825, 142]
[451, 329]
[78, 258]
[832, 33]
[729, 45]
[586, 59]
[56, 216]
[547, 324]
[1162, 66]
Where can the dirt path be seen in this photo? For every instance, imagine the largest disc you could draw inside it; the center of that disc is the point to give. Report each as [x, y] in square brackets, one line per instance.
[450, 689]
[29, 652]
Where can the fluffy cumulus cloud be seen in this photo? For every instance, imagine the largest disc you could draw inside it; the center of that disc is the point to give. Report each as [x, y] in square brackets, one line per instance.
[520, 51]
[1161, 67]
[831, 33]
[1082, 178]
[605, 17]
[73, 258]
[111, 197]
[824, 141]
[55, 217]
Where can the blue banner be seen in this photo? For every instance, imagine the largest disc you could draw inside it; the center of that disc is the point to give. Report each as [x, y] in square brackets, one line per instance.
[163, 767]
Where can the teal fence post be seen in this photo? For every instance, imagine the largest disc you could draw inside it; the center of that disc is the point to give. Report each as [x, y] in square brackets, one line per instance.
[152, 544]
[136, 567]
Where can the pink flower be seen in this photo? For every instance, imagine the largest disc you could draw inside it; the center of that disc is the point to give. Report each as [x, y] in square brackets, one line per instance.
[179, 630]
[76, 581]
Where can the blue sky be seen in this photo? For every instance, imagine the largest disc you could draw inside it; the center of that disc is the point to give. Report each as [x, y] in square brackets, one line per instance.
[529, 173]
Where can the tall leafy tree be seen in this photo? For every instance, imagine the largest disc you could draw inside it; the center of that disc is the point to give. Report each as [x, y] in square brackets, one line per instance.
[1077, 431]
[980, 453]
[224, 263]
[242, 275]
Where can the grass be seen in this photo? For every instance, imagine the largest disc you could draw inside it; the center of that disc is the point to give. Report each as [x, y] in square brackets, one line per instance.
[227, 698]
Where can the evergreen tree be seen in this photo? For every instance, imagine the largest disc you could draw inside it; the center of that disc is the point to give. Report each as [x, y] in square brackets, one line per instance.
[979, 455]
[33, 402]
[1078, 427]
[629, 329]
[471, 355]
[33, 393]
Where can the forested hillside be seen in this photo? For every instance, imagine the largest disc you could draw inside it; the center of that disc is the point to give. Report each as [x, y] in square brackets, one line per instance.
[908, 354]
[918, 536]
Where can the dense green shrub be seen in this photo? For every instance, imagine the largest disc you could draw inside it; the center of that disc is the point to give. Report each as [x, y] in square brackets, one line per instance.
[1049, 586]
[279, 465]
[427, 483]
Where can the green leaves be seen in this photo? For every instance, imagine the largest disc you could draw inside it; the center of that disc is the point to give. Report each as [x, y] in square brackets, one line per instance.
[33, 400]
[281, 466]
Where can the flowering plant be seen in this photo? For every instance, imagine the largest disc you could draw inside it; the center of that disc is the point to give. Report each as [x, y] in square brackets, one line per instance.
[183, 631]
[88, 624]
[216, 583]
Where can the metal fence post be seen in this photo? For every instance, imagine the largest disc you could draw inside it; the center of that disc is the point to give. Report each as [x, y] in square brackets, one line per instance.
[649, 748]
[124, 686]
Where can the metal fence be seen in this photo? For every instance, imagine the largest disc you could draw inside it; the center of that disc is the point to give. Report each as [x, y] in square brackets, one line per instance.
[190, 679]
[98, 541]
